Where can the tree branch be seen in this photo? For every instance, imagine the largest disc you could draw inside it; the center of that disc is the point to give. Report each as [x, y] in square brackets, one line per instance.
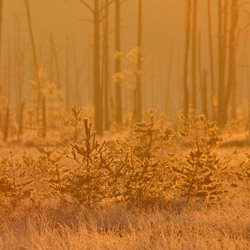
[87, 5]
[86, 20]
[106, 5]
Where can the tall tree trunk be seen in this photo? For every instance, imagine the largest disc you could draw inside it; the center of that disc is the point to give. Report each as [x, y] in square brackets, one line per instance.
[34, 54]
[52, 58]
[211, 61]
[194, 47]
[233, 45]
[98, 103]
[19, 68]
[224, 37]
[97, 86]
[8, 72]
[118, 96]
[221, 76]
[1, 25]
[58, 73]
[67, 78]
[41, 97]
[20, 127]
[186, 56]
[168, 99]
[106, 67]
[77, 74]
[6, 123]
[204, 94]
[203, 80]
[231, 80]
[138, 90]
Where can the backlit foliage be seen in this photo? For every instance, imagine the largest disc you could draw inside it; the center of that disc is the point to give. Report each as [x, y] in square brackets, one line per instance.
[139, 171]
[148, 139]
[53, 102]
[197, 175]
[196, 128]
[15, 185]
[73, 125]
[87, 179]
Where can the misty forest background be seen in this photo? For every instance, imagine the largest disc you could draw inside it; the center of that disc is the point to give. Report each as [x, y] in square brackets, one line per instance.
[124, 124]
[118, 58]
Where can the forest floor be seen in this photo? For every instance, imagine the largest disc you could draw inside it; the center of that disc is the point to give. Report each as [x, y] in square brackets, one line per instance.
[193, 226]
[179, 225]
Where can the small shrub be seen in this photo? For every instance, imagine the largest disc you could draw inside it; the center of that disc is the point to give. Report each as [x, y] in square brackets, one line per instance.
[148, 140]
[197, 174]
[73, 124]
[87, 179]
[15, 186]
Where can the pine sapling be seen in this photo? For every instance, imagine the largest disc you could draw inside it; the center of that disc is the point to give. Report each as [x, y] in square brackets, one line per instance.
[74, 123]
[87, 180]
[15, 186]
[196, 177]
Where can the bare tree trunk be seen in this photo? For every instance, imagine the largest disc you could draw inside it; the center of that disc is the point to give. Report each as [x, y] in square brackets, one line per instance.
[58, 73]
[106, 68]
[34, 57]
[77, 69]
[153, 83]
[6, 123]
[186, 56]
[44, 117]
[20, 128]
[225, 24]
[98, 97]
[19, 64]
[67, 78]
[1, 25]
[168, 99]
[52, 58]
[204, 94]
[194, 47]
[8, 71]
[221, 76]
[231, 81]
[98, 103]
[203, 80]
[138, 90]
[41, 97]
[118, 96]
[211, 61]
[233, 45]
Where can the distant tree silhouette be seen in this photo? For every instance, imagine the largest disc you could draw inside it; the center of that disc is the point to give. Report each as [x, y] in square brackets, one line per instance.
[1, 24]
[41, 99]
[186, 56]
[231, 78]
[221, 63]
[106, 70]
[138, 89]
[118, 78]
[96, 10]
[211, 59]
[194, 56]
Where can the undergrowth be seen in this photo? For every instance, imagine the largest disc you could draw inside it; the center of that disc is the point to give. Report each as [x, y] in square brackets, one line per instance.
[139, 172]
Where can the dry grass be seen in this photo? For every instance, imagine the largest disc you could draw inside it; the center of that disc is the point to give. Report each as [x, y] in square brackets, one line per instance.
[179, 226]
[224, 224]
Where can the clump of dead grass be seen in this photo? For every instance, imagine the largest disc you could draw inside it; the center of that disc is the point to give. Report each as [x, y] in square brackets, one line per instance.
[197, 226]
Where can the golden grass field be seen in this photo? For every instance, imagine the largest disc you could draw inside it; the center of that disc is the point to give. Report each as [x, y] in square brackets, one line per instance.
[146, 222]
[82, 166]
